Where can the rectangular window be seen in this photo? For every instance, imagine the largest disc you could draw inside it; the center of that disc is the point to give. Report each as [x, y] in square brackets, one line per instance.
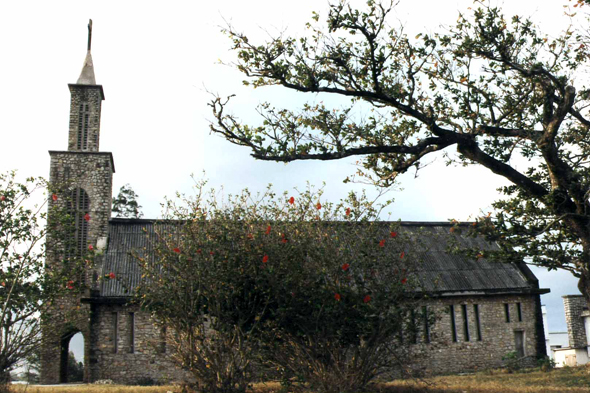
[163, 339]
[83, 126]
[426, 324]
[465, 322]
[453, 325]
[131, 332]
[507, 312]
[413, 328]
[519, 311]
[115, 332]
[477, 321]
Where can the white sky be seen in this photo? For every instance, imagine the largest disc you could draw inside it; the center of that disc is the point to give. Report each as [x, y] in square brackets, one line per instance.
[156, 59]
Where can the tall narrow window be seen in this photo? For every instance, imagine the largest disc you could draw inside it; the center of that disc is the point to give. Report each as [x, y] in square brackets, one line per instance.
[83, 125]
[507, 312]
[413, 328]
[78, 208]
[465, 322]
[131, 332]
[115, 332]
[519, 312]
[453, 325]
[477, 321]
[426, 324]
[163, 333]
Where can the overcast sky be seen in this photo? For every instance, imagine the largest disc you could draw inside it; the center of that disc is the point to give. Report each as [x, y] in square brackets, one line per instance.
[156, 62]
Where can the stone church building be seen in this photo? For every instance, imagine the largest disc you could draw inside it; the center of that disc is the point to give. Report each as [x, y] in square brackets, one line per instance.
[486, 309]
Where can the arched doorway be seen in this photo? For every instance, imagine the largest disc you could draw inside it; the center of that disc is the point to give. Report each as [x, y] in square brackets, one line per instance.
[72, 358]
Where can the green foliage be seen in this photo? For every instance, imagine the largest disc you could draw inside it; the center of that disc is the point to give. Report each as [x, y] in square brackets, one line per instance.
[313, 289]
[125, 205]
[546, 364]
[27, 287]
[495, 88]
[75, 369]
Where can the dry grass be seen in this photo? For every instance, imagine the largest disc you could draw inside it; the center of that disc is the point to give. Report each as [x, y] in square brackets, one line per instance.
[569, 380]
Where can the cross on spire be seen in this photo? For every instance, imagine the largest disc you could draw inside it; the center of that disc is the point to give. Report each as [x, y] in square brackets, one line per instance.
[89, 34]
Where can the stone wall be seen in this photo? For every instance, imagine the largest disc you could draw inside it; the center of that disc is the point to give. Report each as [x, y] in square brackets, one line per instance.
[444, 356]
[574, 305]
[93, 96]
[128, 361]
[93, 173]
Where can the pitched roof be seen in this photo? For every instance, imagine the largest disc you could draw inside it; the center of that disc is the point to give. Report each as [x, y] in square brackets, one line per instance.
[437, 273]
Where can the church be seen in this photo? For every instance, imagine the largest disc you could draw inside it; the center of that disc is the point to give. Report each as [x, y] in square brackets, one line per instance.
[486, 309]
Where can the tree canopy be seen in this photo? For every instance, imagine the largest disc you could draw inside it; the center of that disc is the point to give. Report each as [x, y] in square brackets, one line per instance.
[496, 89]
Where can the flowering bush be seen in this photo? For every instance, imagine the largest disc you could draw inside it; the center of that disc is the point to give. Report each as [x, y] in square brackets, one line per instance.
[314, 289]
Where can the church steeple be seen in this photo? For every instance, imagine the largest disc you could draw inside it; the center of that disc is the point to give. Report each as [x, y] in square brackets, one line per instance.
[87, 74]
[85, 107]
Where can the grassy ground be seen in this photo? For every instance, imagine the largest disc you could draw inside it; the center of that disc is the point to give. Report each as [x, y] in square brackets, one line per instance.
[570, 380]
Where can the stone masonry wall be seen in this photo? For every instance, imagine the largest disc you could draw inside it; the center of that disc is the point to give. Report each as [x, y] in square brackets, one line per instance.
[574, 305]
[93, 96]
[125, 362]
[443, 356]
[93, 173]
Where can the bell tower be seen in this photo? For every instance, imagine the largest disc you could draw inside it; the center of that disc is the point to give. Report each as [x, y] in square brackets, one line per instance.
[83, 176]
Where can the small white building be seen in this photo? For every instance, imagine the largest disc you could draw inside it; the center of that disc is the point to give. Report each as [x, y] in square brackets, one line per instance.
[553, 340]
[577, 316]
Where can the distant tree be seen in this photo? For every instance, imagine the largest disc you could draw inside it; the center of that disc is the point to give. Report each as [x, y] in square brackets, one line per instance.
[75, 369]
[503, 94]
[316, 290]
[27, 287]
[125, 203]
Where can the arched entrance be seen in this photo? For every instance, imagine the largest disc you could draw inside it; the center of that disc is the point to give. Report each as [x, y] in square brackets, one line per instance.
[71, 360]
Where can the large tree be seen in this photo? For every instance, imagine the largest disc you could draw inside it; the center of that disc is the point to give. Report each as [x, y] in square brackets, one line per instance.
[27, 287]
[495, 89]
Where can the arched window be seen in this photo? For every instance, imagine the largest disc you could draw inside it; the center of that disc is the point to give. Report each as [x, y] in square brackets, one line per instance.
[83, 125]
[79, 209]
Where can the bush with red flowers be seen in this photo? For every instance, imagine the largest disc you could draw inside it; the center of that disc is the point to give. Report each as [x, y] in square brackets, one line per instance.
[324, 308]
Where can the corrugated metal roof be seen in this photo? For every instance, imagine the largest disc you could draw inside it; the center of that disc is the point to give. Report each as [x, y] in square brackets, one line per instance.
[437, 270]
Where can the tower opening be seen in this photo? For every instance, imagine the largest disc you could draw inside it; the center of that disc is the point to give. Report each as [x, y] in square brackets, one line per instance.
[72, 358]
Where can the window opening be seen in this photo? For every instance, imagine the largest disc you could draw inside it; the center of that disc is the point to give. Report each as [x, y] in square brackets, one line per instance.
[507, 312]
[115, 332]
[453, 325]
[477, 321]
[83, 126]
[78, 208]
[131, 332]
[519, 311]
[465, 322]
[426, 324]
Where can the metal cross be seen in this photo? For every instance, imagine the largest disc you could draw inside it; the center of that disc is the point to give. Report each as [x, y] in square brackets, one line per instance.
[89, 34]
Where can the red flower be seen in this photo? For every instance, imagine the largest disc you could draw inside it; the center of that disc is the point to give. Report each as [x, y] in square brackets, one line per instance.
[367, 299]
[250, 236]
[268, 230]
[199, 251]
[318, 206]
[2, 198]
[402, 255]
[87, 217]
[54, 197]
[90, 247]
[345, 267]
[393, 234]
[337, 297]
[70, 284]
[404, 280]
[211, 253]
[176, 250]
[452, 229]
[111, 275]
[382, 243]
[291, 200]
[348, 211]
[284, 240]
[479, 256]
[265, 259]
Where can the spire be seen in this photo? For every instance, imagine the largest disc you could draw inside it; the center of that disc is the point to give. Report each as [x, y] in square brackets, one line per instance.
[87, 74]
